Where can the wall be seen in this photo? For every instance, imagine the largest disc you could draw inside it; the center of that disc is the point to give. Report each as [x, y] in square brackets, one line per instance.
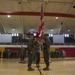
[70, 52]
[69, 49]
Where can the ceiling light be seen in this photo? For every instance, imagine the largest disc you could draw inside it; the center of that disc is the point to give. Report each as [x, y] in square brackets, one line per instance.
[51, 29]
[66, 35]
[8, 15]
[51, 35]
[68, 30]
[34, 34]
[13, 29]
[32, 30]
[17, 34]
[56, 17]
[12, 34]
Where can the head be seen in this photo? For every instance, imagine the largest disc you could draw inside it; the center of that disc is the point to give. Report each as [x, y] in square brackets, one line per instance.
[46, 36]
[31, 36]
[21, 46]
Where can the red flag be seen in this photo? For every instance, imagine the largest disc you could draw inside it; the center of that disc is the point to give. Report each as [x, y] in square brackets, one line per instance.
[41, 26]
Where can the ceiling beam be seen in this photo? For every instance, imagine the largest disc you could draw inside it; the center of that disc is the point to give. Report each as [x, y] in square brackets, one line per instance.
[38, 14]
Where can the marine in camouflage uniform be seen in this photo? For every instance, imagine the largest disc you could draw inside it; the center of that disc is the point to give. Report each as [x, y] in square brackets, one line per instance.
[46, 51]
[30, 48]
[37, 52]
[22, 54]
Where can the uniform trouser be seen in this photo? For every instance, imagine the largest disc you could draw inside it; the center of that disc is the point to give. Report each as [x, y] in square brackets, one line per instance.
[30, 59]
[22, 57]
[37, 58]
[46, 58]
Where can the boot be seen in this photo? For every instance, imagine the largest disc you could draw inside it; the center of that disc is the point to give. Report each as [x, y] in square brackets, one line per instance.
[30, 69]
[46, 69]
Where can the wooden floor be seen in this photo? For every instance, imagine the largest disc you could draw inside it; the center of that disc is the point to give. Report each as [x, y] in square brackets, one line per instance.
[57, 67]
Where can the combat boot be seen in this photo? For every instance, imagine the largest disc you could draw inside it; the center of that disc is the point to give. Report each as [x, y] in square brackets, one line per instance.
[46, 69]
[30, 69]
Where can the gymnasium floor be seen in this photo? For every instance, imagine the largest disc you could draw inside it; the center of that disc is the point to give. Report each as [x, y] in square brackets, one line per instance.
[57, 67]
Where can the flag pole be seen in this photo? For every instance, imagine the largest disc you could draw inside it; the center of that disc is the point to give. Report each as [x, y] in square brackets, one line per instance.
[40, 35]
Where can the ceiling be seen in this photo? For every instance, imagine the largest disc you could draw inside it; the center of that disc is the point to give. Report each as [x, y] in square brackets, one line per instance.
[22, 23]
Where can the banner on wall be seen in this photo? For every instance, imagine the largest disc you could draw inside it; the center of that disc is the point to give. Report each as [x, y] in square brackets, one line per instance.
[5, 38]
[58, 38]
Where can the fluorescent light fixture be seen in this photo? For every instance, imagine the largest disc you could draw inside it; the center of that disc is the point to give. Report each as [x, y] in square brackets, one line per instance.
[12, 34]
[51, 35]
[17, 34]
[66, 35]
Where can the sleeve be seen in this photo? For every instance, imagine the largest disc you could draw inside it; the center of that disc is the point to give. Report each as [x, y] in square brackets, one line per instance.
[30, 46]
[47, 44]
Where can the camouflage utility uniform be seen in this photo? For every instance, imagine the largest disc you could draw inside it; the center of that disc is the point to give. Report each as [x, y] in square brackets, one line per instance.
[46, 51]
[30, 48]
[37, 52]
[22, 54]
